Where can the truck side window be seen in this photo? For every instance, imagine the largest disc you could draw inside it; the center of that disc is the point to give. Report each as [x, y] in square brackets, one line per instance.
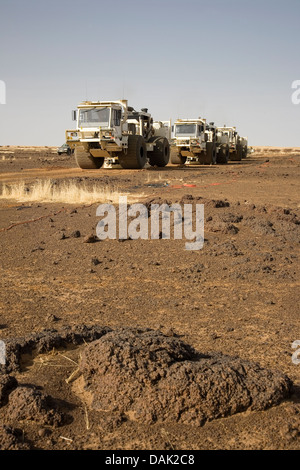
[117, 116]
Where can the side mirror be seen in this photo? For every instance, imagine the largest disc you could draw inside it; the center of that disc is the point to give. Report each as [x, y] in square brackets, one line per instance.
[74, 115]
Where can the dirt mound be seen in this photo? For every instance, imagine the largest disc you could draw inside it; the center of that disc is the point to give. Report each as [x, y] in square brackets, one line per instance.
[151, 377]
[209, 203]
[223, 227]
[259, 225]
[30, 404]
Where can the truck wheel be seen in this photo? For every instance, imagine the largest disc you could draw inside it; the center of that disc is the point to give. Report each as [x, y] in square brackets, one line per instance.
[245, 152]
[85, 160]
[136, 156]
[211, 156]
[223, 154]
[178, 159]
[161, 153]
[237, 155]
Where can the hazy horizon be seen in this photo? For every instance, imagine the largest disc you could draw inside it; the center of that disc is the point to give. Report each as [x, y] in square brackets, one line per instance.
[230, 62]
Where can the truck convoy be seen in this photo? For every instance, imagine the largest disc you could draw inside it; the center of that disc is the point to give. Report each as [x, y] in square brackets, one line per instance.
[113, 130]
[200, 142]
[238, 146]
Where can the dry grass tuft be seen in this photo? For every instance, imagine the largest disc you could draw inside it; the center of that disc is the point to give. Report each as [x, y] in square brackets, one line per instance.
[68, 192]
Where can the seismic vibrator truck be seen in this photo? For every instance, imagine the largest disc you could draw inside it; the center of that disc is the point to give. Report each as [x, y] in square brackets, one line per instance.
[112, 130]
[195, 142]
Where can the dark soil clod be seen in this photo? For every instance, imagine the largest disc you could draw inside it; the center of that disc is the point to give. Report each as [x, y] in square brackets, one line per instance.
[152, 377]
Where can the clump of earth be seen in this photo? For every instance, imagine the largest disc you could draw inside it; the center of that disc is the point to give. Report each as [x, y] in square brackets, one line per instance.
[150, 377]
[29, 404]
[11, 439]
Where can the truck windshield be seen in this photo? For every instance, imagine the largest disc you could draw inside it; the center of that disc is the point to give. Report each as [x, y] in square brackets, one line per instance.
[94, 117]
[185, 129]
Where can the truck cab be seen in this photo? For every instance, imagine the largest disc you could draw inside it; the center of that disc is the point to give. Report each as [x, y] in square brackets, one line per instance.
[101, 126]
[190, 137]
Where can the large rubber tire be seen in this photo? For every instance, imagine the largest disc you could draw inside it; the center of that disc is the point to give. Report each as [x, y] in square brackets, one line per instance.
[178, 159]
[210, 157]
[85, 160]
[161, 153]
[245, 152]
[136, 156]
[237, 155]
[223, 154]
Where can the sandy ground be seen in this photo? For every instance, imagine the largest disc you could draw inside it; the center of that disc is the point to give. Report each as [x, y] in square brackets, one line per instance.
[237, 296]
